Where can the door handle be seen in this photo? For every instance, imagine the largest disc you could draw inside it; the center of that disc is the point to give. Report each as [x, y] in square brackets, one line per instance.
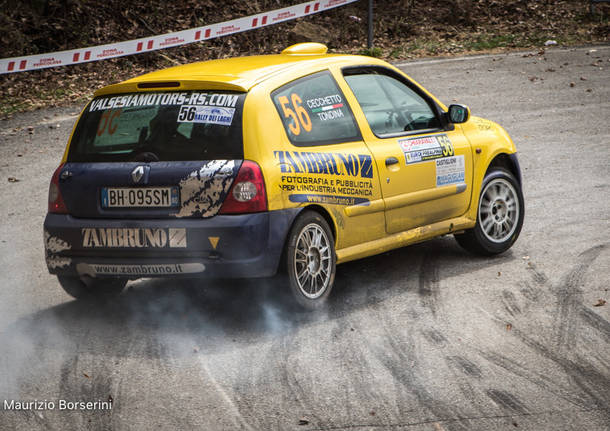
[391, 161]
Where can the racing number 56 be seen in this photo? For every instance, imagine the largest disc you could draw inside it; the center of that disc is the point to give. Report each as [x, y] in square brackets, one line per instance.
[446, 145]
[300, 117]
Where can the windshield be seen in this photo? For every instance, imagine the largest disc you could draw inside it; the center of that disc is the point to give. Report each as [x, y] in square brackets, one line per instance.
[160, 126]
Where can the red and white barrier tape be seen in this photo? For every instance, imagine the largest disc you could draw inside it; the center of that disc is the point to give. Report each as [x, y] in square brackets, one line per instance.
[168, 40]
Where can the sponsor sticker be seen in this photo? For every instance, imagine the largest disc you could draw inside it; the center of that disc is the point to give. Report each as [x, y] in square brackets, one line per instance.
[220, 100]
[348, 180]
[426, 148]
[326, 107]
[206, 114]
[177, 238]
[133, 238]
[150, 270]
[341, 164]
[450, 170]
[328, 199]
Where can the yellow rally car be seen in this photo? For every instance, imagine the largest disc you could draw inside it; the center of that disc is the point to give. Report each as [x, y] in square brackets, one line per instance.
[288, 163]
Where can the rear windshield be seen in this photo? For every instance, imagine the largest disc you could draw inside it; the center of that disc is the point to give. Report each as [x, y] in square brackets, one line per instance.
[160, 126]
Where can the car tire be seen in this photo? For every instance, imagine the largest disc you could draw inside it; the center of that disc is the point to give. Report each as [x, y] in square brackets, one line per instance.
[90, 288]
[500, 213]
[310, 261]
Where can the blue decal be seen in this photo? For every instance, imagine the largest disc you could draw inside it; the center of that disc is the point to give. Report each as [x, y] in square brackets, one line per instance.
[328, 199]
[340, 164]
[175, 197]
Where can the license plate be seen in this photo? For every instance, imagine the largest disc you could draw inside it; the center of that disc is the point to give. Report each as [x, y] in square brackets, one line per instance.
[140, 197]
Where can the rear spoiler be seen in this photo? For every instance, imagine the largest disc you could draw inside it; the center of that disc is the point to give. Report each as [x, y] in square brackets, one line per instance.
[208, 82]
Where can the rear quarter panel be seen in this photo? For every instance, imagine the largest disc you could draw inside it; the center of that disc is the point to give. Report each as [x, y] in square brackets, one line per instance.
[265, 142]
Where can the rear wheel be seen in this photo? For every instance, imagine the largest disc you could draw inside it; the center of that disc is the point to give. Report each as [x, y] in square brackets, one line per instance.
[310, 260]
[92, 288]
[499, 215]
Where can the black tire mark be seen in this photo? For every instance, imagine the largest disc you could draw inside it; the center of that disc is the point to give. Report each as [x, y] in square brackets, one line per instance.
[290, 382]
[429, 282]
[396, 360]
[531, 293]
[434, 336]
[569, 296]
[592, 382]
[541, 380]
[506, 401]
[363, 385]
[511, 305]
[597, 322]
[408, 377]
[465, 366]
[538, 276]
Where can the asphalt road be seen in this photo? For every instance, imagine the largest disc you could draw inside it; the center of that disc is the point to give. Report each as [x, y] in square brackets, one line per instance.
[423, 338]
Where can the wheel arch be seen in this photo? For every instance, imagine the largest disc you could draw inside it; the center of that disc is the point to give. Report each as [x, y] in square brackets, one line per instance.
[323, 213]
[508, 162]
[502, 158]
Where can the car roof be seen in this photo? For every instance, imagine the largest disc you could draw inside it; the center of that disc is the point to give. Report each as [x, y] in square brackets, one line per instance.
[237, 74]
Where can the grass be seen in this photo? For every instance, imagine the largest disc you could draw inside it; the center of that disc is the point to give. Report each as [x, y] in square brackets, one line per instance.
[372, 52]
[486, 41]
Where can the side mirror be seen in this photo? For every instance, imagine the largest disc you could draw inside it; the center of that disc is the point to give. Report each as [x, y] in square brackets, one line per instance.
[458, 114]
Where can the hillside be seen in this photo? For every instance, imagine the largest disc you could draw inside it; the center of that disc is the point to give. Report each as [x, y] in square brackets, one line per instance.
[403, 29]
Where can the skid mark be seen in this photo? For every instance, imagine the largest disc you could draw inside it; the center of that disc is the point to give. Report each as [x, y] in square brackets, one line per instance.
[531, 293]
[290, 383]
[506, 401]
[510, 302]
[434, 336]
[596, 322]
[429, 282]
[569, 294]
[400, 359]
[541, 380]
[538, 276]
[465, 366]
[592, 382]
[229, 402]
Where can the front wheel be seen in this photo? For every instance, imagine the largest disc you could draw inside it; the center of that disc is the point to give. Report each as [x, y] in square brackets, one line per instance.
[499, 215]
[92, 288]
[310, 260]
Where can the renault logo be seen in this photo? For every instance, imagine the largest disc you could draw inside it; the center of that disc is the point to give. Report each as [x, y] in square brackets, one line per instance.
[137, 174]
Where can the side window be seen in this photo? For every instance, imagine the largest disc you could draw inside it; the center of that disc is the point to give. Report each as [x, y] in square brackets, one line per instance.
[314, 111]
[390, 106]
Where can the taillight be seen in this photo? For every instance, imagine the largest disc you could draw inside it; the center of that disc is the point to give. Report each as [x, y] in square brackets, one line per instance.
[56, 202]
[247, 194]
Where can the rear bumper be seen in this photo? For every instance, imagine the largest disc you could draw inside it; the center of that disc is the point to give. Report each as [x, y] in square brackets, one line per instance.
[225, 246]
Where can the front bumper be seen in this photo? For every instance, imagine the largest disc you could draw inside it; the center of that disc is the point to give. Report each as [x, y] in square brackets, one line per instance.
[224, 246]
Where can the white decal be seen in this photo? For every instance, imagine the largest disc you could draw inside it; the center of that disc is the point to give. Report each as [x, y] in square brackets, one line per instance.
[139, 269]
[203, 191]
[177, 238]
[449, 170]
[53, 246]
[164, 99]
[132, 237]
[421, 149]
[206, 114]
